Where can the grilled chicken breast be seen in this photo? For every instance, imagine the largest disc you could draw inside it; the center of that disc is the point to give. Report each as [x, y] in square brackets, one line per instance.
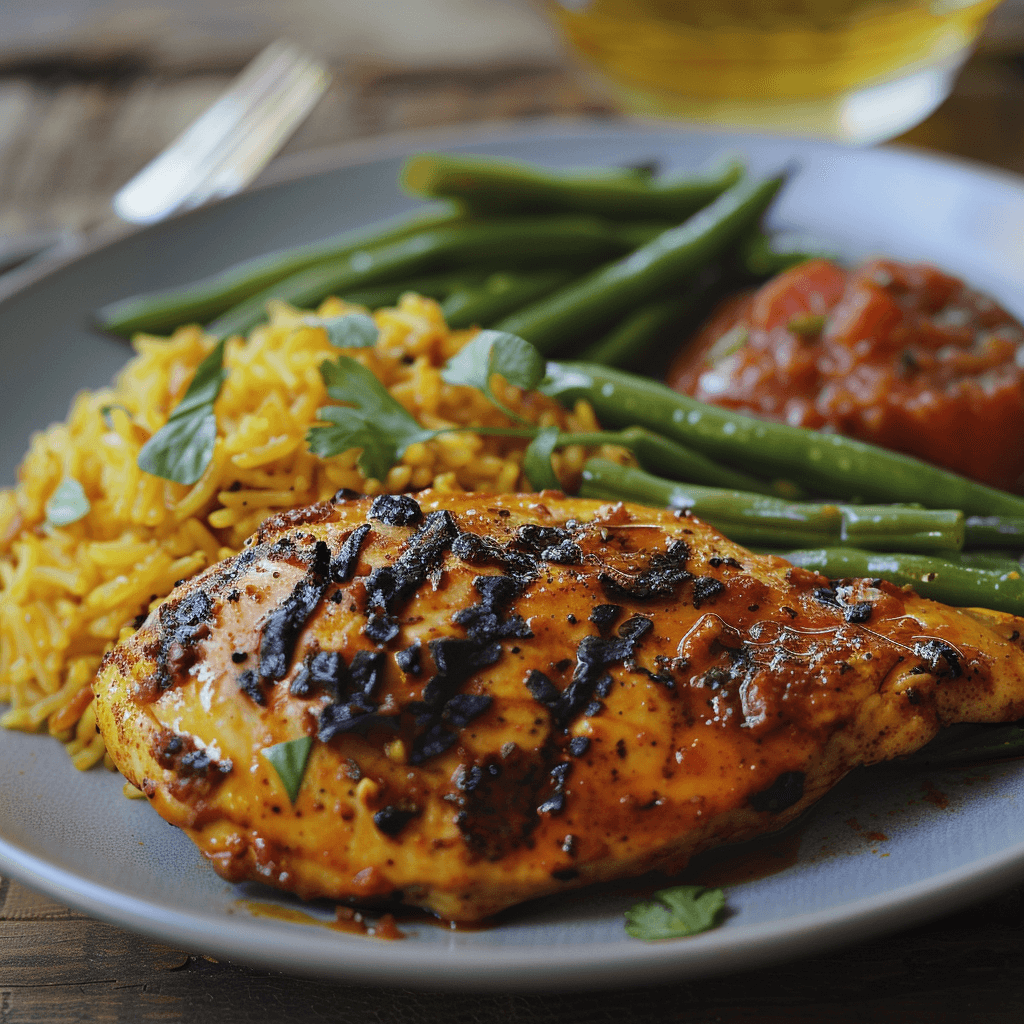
[507, 696]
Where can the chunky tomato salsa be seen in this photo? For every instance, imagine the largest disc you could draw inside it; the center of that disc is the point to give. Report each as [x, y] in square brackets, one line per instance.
[903, 356]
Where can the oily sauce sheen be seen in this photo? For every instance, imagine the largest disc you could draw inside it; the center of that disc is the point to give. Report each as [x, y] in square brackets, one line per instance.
[508, 696]
[899, 355]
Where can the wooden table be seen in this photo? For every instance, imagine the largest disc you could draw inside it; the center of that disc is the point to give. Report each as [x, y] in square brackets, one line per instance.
[58, 967]
[69, 136]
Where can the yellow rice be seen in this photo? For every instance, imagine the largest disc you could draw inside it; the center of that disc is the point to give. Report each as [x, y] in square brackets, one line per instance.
[67, 594]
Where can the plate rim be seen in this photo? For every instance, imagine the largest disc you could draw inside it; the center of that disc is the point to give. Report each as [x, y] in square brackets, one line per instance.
[624, 962]
[501, 970]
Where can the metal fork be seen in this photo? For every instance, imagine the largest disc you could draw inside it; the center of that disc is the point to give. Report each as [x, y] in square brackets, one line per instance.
[217, 155]
[229, 145]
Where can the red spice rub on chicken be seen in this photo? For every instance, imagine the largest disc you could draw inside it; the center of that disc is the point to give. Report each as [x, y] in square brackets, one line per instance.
[507, 696]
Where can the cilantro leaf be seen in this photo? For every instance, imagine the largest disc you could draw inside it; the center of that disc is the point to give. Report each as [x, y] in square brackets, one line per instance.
[67, 504]
[351, 429]
[371, 420]
[182, 448]
[205, 386]
[681, 910]
[471, 364]
[492, 352]
[516, 360]
[289, 761]
[350, 330]
[537, 460]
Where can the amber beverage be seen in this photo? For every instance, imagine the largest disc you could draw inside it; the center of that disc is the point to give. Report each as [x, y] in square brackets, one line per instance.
[856, 70]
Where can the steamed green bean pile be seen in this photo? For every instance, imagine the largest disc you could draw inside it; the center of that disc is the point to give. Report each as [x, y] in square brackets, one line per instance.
[602, 262]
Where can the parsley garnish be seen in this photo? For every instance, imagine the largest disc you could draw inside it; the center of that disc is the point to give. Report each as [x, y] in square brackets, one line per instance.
[182, 448]
[67, 504]
[289, 761]
[676, 912]
[537, 460]
[492, 352]
[350, 330]
[371, 419]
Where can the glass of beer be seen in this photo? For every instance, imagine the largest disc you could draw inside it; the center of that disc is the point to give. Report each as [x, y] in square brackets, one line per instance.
[856, 70]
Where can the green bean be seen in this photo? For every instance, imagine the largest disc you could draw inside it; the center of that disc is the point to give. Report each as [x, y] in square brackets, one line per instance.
[488, 185]
[826, 463]
[652, 270]
[525, 240]
[202, 300]
[902, 528]
[997, 561]
[629, 342]
[765, 255]
[500, 293]
[766, 521]
[931, 577]
[634, 234]
[435, 286]
[655, 452]
[995, 532]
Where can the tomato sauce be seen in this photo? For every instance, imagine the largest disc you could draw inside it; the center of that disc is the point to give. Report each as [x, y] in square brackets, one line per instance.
[903, 356]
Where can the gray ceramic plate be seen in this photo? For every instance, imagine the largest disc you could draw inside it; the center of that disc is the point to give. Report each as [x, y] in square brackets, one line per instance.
[884, 850]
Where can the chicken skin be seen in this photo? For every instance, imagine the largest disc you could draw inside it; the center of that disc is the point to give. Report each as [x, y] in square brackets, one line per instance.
[507, 696]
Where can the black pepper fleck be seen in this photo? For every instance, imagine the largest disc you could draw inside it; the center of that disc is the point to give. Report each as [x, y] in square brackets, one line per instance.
[396, 510]
[579, 745]
[392, 820]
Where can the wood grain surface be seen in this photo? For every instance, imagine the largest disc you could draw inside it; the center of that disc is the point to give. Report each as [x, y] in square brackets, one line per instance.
[70, 135]
[57, 966]
[70, 139]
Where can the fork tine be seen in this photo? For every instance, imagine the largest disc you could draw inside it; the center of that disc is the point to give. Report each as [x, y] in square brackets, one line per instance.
[280, 85]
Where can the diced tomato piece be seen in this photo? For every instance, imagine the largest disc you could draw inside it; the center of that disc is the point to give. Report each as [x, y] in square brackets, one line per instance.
[866, 313]
[813, 287]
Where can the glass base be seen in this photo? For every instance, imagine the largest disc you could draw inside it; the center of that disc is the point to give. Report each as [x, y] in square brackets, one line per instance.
[862, 117]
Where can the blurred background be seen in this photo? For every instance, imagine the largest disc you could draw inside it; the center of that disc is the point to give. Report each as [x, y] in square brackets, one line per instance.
[90, 90]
